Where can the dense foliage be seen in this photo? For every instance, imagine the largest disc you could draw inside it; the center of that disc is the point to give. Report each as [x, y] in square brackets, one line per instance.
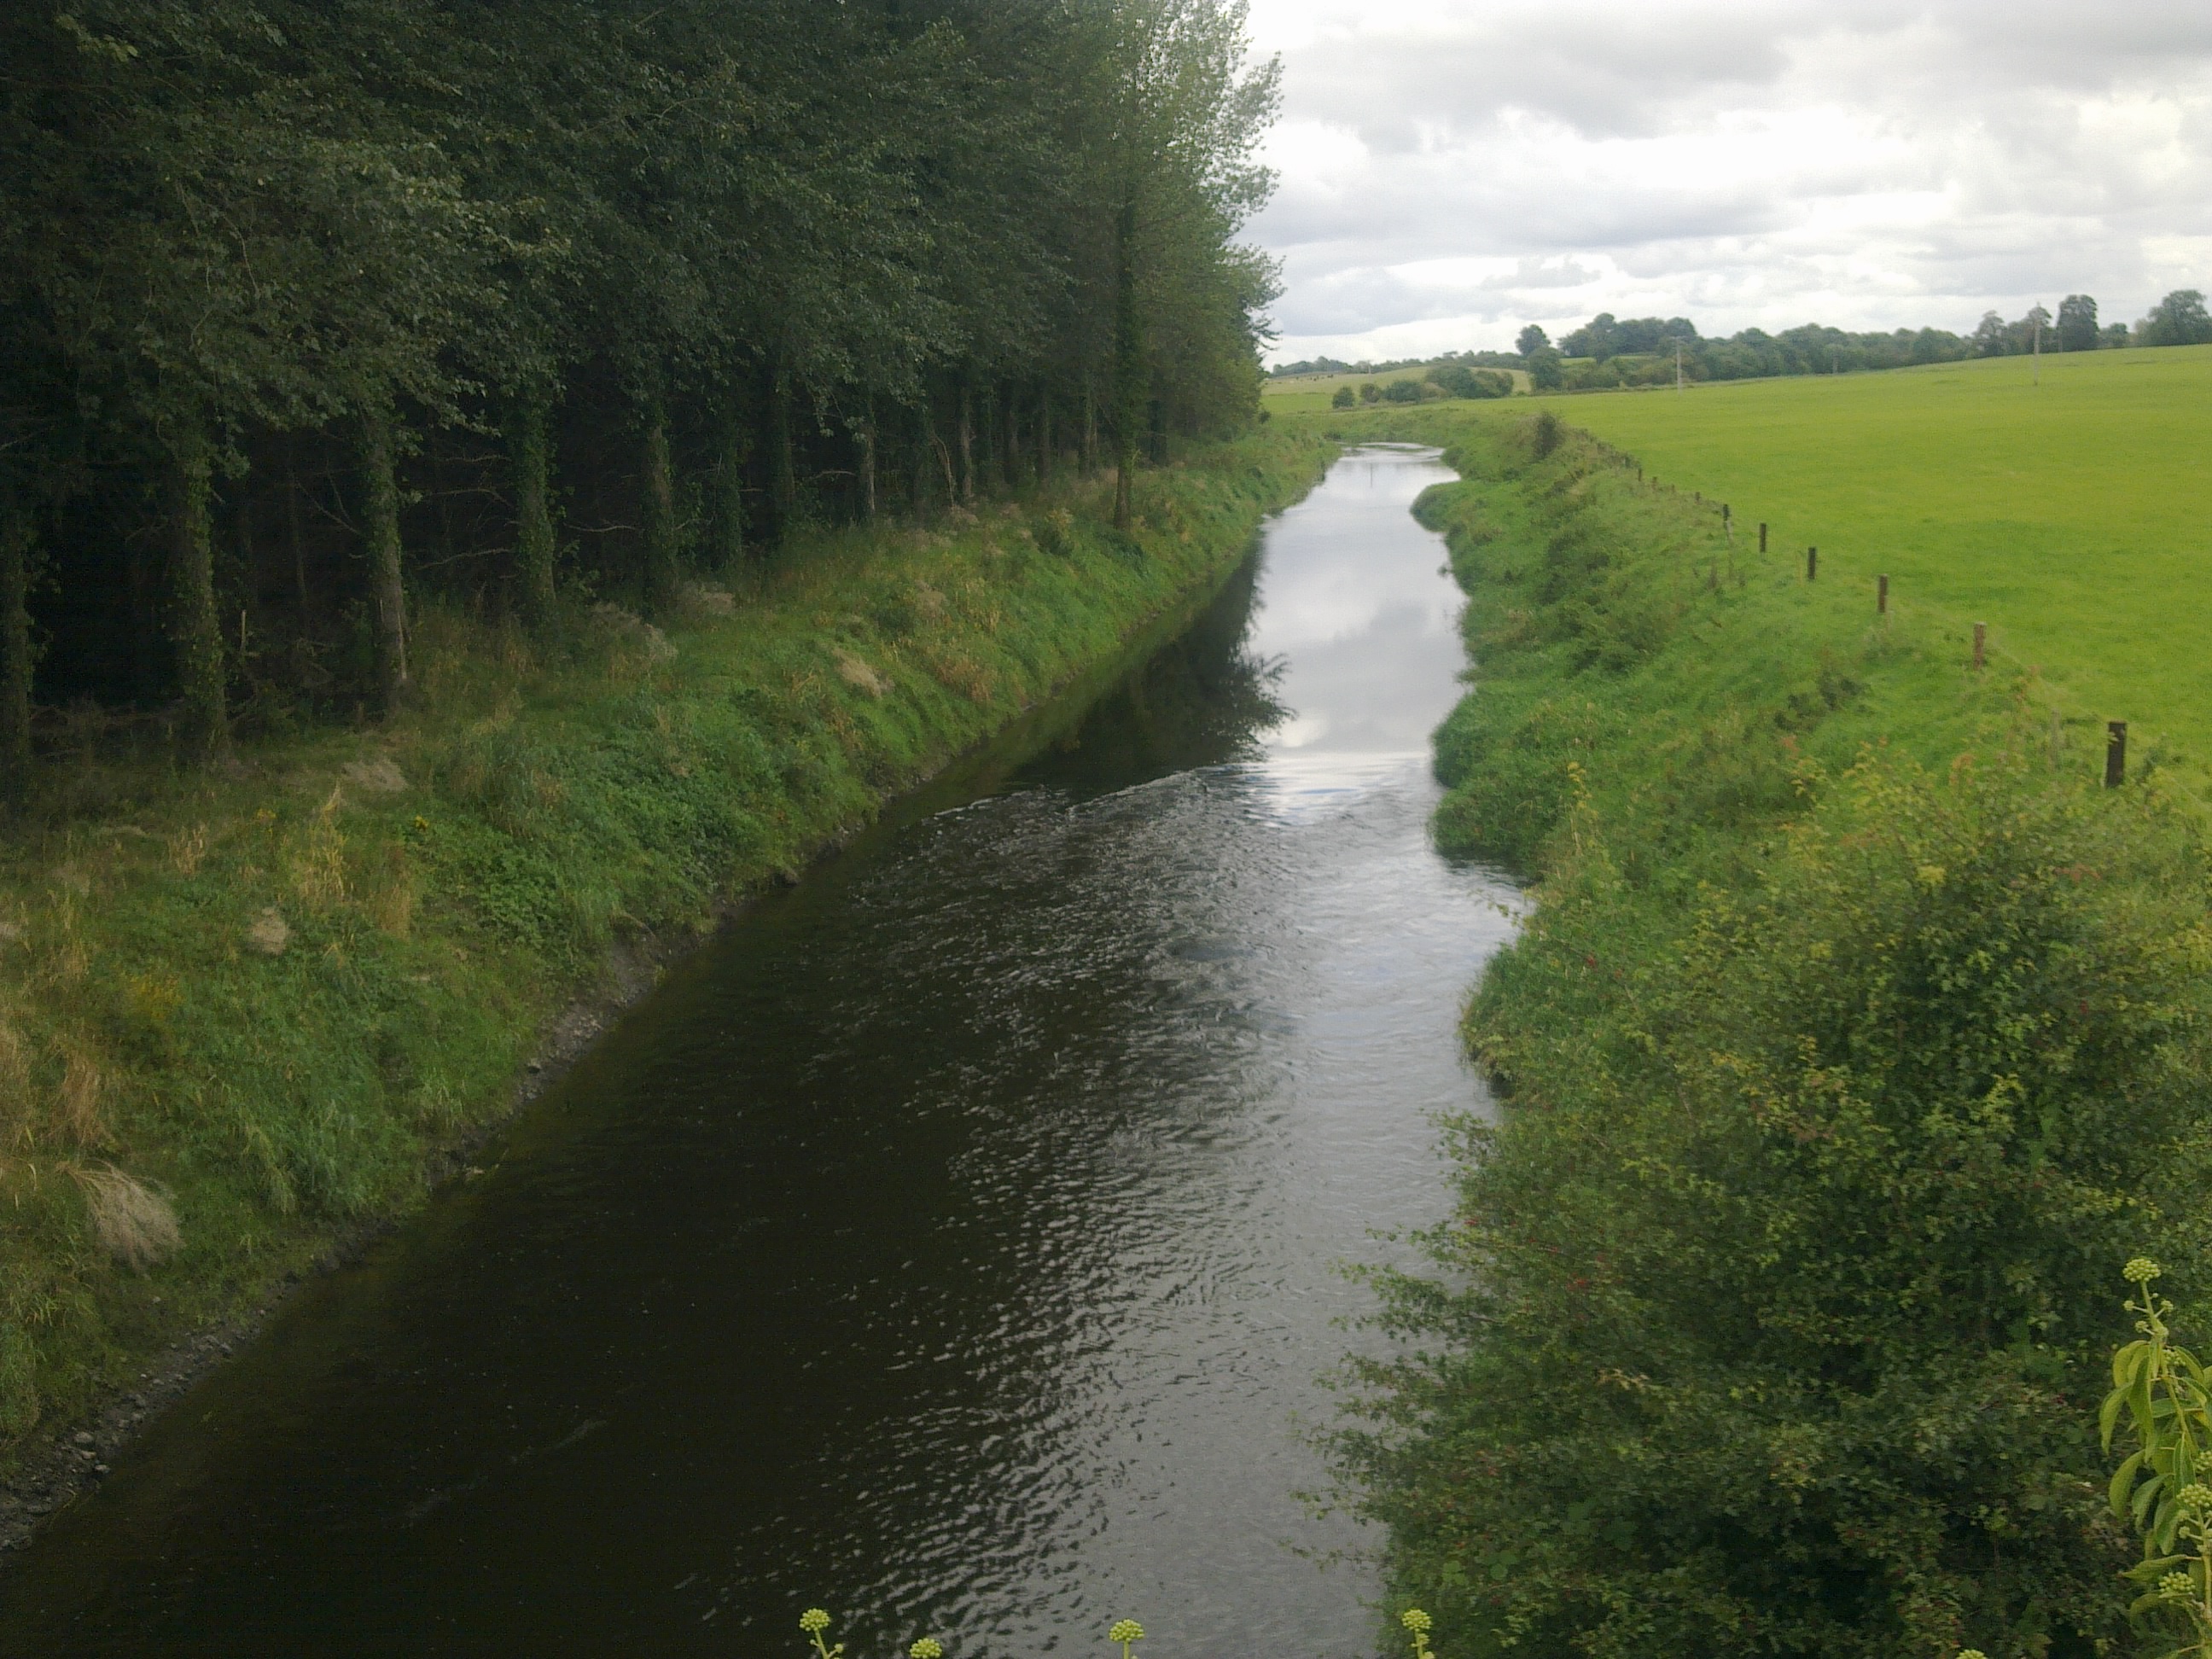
[1777, 1302]
[310, 309]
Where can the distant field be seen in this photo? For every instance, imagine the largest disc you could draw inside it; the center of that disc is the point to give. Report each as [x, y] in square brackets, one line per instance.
[2075, 519]
[1295, 393]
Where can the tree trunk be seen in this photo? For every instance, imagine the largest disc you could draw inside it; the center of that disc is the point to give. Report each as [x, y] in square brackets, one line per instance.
[965, 431]
[15, 661]
[663, 575]
[1128, 365]
[729, 496]
[925, 441]
[986, 441]
[785, 481]
[864, 434]
[388, 585]
[292, 526]
[1090, 460]
[1013, 438]
[1044, 435]
[530, 454]
[194, 627]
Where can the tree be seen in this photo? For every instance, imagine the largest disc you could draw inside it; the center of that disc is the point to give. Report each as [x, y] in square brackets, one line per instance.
[1545, 373]
[1531, 340]
[1991, 337]
[1344, 397]
[2077, 324]
[2178, 319]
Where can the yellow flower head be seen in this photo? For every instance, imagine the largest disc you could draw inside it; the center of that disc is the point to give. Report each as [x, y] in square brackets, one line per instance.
[2176, 1587]
[925, 1648]
[814, 1621]
[1414, 1619]
[1125, 1632]
[2195, 1497]
[2140, 1271]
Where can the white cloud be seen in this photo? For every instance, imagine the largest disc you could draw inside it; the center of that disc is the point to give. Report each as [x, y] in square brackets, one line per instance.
[1452, 168]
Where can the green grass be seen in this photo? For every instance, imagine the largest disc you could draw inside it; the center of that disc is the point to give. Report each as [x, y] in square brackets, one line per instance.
[2074, 518]
[444, 884]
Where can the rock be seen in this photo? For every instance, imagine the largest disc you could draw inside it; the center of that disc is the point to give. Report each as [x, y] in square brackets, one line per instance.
[84, 1436]
[268, 933]
[372, 777]
[101, 1469]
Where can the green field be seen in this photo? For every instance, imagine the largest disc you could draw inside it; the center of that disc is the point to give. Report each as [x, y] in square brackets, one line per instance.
[1304, 394]
[2074, 517]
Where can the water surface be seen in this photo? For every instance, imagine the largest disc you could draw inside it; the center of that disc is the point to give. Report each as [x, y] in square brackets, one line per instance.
[954, 1245]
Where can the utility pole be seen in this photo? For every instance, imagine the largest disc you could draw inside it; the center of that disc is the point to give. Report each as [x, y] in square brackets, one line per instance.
[1678, 362]
[2035, 320]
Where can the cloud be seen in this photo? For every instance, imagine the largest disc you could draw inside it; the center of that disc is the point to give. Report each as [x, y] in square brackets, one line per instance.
[1467, 165]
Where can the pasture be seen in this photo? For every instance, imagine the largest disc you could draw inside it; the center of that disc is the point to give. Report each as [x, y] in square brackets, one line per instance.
[2074, 517]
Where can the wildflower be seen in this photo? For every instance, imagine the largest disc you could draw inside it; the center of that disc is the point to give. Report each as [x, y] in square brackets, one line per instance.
[2195, 1497]
[421, 823]
[814, 1621]
[1125, 1632]
[2140, 1271]
[2176, 1587]
[1414, 1619]
[1972, 1653]
[925, 1648]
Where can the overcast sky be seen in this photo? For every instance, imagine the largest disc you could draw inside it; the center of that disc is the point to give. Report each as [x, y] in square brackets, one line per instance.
[1451, 169]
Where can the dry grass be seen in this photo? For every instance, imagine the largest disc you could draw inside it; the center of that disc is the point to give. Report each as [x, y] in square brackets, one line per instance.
[317, 862]
[83, 1085]
[134, 1224]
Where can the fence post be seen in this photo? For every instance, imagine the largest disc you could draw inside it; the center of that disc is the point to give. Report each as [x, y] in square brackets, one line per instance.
[1762, 536]
[1812, 563]
[1981, 643]
[1882, 596]
[2116, 753]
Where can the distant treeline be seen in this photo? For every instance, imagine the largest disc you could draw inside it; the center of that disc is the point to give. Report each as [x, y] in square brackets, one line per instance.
[1609, 351]
[311, 308]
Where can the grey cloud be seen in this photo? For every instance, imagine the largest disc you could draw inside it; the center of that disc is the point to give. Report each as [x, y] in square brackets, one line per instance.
[1675, 155]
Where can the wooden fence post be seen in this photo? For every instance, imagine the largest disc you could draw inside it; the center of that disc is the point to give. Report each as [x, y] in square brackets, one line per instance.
[1762, 536]
[2116, 753]
[1981, 643]
[1882, 596]
[1812, 563]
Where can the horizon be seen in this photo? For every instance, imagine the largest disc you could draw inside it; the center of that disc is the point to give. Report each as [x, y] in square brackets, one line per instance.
[1449, 173]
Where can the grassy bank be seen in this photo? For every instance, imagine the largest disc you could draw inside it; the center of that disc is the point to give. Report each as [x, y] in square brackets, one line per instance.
[243, 1008]
[1855, 1041]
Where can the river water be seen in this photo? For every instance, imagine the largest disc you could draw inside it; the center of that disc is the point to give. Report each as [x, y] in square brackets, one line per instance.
[955, 1245]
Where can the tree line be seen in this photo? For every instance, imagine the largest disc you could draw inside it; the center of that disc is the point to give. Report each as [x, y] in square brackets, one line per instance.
[1611, 351]
[313, 310]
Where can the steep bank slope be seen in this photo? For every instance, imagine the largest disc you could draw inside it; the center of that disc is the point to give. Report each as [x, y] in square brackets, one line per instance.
[269, 996]
[1855, 1041]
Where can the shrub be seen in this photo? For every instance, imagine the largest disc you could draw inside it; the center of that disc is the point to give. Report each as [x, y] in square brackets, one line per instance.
[1344, 399]
[1764, 1317]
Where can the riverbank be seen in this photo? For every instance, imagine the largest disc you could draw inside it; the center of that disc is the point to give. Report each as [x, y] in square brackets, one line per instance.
[249, 1012]
[1854, 1039]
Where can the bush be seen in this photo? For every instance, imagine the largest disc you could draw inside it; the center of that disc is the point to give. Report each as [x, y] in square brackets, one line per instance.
[1458, 380]
[1766, 1316]
[1344, 397]
[1402, 392]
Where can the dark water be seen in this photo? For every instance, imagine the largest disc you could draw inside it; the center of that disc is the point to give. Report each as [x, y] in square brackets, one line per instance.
[954, 1246]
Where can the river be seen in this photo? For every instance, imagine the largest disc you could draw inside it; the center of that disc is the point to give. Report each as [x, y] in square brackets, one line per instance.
[954, 1244]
